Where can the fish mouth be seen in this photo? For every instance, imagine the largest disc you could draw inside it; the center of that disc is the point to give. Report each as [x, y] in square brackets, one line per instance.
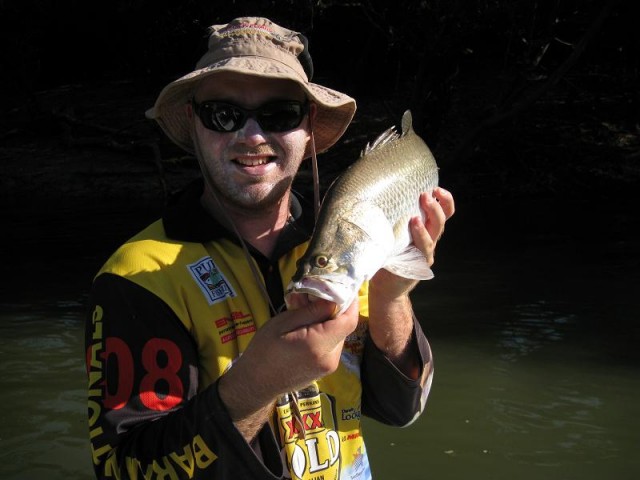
[337, 291]
[312, 294]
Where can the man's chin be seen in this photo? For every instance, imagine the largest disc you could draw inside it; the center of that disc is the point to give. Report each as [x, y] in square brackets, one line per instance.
[260, 198]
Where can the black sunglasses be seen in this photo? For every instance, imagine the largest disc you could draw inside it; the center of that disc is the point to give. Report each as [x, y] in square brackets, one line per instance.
[276, 116]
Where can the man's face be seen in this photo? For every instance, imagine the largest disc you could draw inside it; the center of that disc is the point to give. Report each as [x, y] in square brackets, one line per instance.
[250, 168]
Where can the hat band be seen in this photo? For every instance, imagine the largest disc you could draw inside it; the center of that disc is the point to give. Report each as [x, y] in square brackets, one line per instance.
[286, 60]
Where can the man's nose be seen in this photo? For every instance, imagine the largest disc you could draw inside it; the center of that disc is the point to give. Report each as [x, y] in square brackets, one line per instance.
[251, 133]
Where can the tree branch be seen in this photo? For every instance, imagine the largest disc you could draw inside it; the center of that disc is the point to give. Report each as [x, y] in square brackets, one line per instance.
[466, 146]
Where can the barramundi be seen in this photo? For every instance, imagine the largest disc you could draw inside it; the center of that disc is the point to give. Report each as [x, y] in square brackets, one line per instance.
[363, 223]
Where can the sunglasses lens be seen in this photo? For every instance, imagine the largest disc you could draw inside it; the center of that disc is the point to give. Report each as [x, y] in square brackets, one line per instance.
[281, 116]
[223, 117]
[278, 116]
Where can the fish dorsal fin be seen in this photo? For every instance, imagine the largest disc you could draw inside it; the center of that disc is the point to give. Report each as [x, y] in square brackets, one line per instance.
[390, 134]
[407, 122]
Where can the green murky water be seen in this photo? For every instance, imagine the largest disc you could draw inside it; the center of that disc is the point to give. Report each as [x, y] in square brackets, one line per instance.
[533, 322]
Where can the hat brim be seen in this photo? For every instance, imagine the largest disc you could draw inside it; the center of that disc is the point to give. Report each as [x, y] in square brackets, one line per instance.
[335, 110]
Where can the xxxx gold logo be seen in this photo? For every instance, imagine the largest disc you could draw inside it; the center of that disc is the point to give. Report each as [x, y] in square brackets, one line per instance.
[311, 412]
[317, 452]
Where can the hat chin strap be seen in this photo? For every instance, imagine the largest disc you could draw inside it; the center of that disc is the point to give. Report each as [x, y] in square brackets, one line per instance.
[316, 203]
[291, 397]
[316, 175]
[206, 174]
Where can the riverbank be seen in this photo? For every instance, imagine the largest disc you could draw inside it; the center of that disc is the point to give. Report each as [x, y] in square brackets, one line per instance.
[92, 143]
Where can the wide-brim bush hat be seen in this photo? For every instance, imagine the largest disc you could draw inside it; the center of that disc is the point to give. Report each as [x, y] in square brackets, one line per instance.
[254, 46]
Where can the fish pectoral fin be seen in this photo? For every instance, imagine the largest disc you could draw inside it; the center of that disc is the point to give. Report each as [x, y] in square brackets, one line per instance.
[409, 263]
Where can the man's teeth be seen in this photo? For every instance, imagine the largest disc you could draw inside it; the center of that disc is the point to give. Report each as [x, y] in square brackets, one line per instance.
[253, 162]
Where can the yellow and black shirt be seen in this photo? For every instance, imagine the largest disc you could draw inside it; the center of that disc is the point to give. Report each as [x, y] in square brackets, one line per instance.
[169, 313]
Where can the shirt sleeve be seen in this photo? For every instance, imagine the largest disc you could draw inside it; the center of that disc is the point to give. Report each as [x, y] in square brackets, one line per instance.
[146, 416]
[388, 395]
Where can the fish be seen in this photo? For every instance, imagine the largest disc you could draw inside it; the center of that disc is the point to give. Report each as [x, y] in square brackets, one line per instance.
[363, 222]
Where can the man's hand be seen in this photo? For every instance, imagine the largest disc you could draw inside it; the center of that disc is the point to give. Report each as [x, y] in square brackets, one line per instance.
[391, 319]
[290, 351]
[438, 209]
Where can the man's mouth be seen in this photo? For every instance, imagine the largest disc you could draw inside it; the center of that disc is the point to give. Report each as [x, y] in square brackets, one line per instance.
[253, 161]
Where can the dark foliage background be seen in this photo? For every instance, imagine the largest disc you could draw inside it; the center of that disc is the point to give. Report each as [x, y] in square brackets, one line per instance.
[516, 98]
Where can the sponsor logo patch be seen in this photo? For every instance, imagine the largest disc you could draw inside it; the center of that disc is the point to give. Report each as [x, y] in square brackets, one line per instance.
[229, 328]
[210, 280]
[351, 414]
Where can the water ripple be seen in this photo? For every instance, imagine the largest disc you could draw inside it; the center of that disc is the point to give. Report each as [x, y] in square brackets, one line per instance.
[532, 326]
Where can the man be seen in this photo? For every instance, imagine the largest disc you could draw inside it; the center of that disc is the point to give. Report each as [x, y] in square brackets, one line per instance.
[194, 369]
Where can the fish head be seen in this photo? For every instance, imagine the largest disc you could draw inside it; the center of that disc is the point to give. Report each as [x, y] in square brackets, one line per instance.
[321, 275]
[335, 266]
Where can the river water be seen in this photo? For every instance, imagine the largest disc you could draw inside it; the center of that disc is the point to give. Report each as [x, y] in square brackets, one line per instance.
[532, 317]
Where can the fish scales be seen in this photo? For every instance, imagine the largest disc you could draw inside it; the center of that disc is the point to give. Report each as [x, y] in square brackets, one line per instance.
[364, 220]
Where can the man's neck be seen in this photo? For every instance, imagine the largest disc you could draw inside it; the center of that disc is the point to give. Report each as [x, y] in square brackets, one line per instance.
[260, 227]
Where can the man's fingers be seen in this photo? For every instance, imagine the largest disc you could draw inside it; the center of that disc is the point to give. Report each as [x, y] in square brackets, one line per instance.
[435, 216]
[422, 239]
[445, 199]
[308, 314]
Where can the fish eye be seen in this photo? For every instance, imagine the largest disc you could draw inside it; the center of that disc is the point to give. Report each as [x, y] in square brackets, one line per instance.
[321, 261]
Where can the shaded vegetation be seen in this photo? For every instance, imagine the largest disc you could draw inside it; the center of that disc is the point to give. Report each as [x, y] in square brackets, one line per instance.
[516, 98]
